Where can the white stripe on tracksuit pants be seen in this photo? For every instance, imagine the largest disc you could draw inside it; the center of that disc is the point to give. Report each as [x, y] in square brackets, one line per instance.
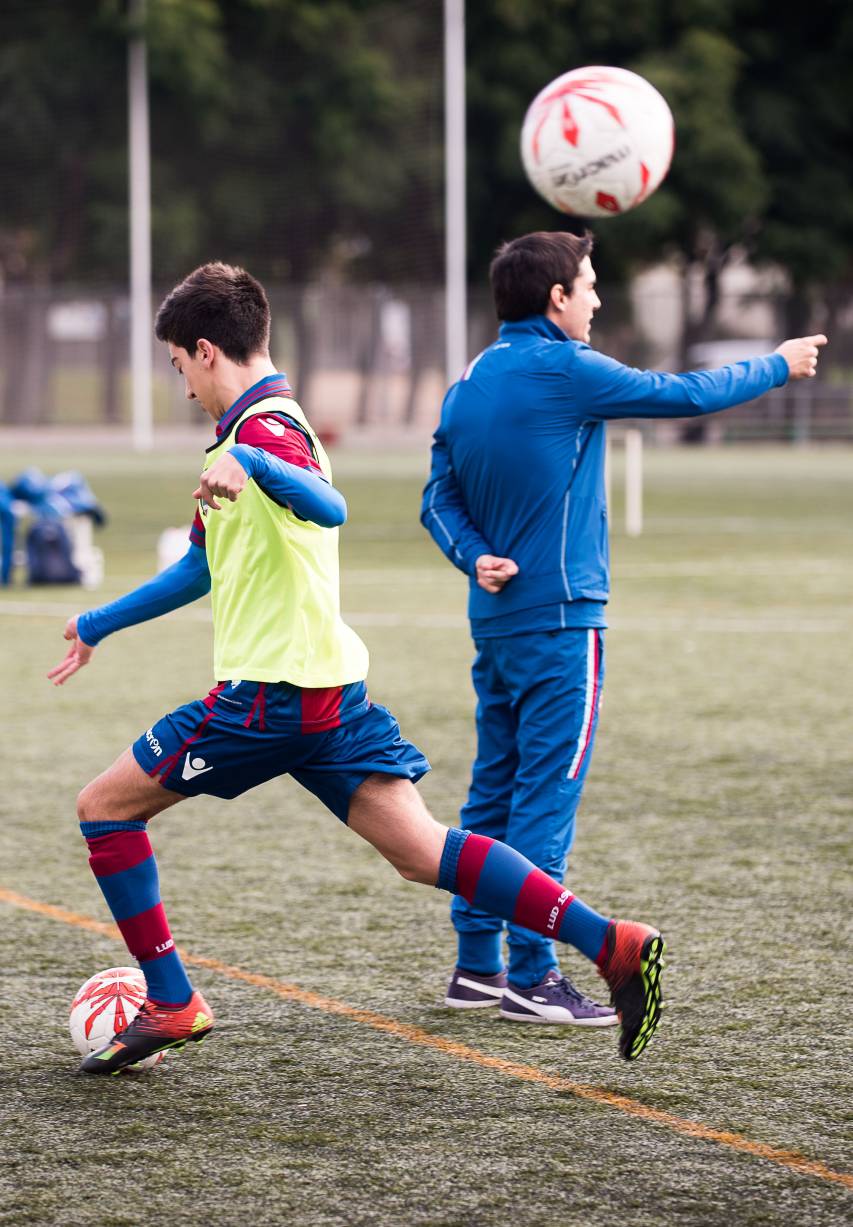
[538, 700]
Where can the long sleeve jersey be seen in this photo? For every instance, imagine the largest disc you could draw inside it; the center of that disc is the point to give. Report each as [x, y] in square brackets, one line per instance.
[518, 466]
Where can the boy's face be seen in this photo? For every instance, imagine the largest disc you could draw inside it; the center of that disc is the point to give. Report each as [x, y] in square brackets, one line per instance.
[197, 373]
[581, 304]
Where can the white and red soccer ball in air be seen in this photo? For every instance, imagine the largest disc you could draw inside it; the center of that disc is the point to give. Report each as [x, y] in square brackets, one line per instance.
[597, 141]
[104, 1005]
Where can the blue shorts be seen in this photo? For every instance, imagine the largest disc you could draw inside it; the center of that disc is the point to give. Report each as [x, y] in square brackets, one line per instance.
[245, 733]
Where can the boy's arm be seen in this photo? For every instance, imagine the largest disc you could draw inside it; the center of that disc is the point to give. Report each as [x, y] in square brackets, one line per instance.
[185, 581]
[277, 454]
[305, 492]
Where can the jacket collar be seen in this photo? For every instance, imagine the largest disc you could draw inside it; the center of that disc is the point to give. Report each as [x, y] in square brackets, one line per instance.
[533, 325]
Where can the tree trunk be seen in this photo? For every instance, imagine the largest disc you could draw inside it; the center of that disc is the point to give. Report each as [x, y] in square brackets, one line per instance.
[303, 331]
[110, 360]
[26, 357]
[701, 326]
[422, 330]
[369, 361]
[796, 313]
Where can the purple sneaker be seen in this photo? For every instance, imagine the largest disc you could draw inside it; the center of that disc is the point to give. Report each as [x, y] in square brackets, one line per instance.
[555, 1000]
[468, 991]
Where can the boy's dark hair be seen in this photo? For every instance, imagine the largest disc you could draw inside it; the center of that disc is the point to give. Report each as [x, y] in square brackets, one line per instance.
[222, 303]
[524, 270]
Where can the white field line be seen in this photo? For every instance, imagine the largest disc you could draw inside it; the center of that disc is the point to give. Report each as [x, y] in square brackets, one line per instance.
[736, 626]
[686, 568]
[445, 622]
[738, 524]
[695, 569]
[47, 609]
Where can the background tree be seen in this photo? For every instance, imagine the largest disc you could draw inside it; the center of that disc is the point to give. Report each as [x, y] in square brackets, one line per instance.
[798, 108]
[305, 140]
[764, 121]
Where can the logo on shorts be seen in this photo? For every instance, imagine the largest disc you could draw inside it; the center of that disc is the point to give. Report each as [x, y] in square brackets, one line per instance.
[156, 748]
[194, 767]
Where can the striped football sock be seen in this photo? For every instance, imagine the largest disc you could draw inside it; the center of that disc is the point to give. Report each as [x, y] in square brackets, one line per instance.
[497, 879]
[122, 860]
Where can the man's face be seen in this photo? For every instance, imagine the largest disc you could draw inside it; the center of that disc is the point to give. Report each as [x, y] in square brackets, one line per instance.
[581, 304]
[197, 374]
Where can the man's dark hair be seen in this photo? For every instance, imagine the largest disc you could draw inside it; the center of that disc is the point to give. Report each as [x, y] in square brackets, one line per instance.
[524, 270]
[222, 303]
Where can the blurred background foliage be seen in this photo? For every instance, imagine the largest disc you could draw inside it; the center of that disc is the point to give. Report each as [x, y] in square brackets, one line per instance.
[306, 139]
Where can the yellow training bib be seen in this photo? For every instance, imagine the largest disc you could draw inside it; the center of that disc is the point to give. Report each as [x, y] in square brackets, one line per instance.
[276, 585]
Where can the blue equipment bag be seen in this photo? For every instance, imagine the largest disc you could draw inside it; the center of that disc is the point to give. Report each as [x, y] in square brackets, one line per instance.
[49, 558]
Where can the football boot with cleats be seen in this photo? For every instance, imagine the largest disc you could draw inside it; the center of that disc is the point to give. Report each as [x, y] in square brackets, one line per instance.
[156, 1028]
[631, 965]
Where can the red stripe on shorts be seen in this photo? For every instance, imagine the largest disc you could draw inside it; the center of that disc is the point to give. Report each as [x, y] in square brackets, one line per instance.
[321, 708]
[164, 768]
[214, 694]
[537, 907]
[258, 708]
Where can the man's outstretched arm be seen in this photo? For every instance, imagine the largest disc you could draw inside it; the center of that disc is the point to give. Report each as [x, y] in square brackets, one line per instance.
[183, 582]
[608, 390]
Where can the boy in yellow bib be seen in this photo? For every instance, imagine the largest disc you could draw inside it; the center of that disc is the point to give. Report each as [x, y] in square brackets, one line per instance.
[291, 696]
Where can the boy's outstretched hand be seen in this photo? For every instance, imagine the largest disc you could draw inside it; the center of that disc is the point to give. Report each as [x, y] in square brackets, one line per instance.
[78, 655]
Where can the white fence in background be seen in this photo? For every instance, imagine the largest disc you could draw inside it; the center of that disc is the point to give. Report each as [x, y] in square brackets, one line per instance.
[632, 442]
[373, 356]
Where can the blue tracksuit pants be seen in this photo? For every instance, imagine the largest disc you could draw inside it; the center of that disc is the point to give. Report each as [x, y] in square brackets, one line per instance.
[537, 712]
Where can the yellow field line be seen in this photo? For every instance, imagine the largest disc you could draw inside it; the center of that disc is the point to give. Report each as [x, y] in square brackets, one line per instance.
[462, 1052]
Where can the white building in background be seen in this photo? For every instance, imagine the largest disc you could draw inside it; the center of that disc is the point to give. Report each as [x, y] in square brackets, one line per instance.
[661, 295]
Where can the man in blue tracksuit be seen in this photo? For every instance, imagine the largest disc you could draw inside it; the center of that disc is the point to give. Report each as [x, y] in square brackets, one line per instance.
[516, 500]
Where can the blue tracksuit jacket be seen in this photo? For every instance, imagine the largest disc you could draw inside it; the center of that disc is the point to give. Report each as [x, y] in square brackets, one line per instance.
[518, 458]
[518, 471]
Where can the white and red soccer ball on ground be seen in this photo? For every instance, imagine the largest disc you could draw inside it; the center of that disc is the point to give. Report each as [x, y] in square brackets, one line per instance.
[104, 1005]
[597, 141]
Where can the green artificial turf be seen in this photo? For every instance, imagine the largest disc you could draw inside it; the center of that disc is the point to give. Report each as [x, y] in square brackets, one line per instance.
[718, 806]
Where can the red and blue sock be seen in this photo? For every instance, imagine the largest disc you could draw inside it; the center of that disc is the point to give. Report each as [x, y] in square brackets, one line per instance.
[122, 860]
[494, 877]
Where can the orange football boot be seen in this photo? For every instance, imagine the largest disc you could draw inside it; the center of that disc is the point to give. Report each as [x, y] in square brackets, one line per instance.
[154, 1029]
[631, 965]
